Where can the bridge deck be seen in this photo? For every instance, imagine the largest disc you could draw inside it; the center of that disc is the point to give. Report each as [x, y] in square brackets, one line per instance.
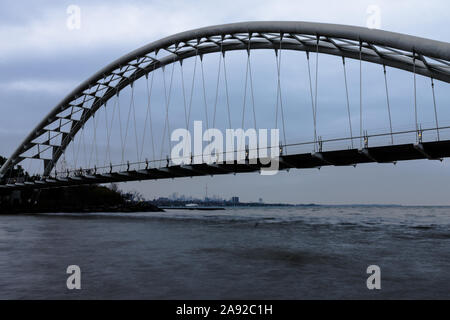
[384, 154]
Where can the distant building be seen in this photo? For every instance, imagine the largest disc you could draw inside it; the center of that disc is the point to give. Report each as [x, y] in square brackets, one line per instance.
[260, 200]
[235, 200]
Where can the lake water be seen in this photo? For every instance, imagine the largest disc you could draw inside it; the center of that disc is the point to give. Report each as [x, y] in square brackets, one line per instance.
[240, 253]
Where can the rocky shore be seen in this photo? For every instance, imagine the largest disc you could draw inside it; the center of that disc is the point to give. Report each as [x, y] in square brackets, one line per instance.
[71, 200]
[125, 208]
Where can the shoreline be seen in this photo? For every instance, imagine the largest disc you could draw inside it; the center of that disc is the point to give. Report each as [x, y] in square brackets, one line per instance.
[125, 208]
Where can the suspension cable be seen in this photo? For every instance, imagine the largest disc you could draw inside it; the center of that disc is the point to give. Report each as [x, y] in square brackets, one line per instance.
[148, 115]
[360, 95]
[435, 109]
[251, 85]
[204, 93]
[184, 99]
[226, 88]
[165, 120]
[167, 100]
[107, 132]
[135, 126]
[77, 154]
[91, 152]
[120, 127]
[415, 95]
[348, 102]
[217, 91]
[281, 97]
[84, 144]
[245, 91]
[74, 147]
[388, 104]
[94, 144]
[184, 94]
[95, 140]
[73, 144]
[245, 99]
[316, 79]
[111, 126]
[128, 124]
[312, 100]
[278, 90]
[168, 104]
[192, 87]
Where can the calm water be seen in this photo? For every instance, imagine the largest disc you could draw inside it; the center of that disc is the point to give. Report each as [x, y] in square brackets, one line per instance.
[270, 253]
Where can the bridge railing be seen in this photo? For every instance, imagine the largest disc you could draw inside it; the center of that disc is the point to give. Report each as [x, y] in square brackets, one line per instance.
[368, 140]
[375, 139]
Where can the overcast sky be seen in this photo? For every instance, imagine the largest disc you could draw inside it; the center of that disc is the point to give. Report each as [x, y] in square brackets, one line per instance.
[41, 60]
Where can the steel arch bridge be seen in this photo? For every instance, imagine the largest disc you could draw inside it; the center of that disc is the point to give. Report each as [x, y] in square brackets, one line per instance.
[52, 136]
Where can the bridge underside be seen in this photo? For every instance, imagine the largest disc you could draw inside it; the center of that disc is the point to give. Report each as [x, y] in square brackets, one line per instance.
[384, 154]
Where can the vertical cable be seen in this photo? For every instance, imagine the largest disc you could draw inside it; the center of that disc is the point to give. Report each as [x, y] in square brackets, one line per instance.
[217, 91]
[168, 104]
[167, 99]
[84, 144]
[245, 91]
[135, 125]
[281, 96]
[183, 89]
[73, 141]
[348, 102]
[120, 127]
[192, 93]
[278, 90]
[360, 96]
[435, 110]
[226, 90]
[312, 100]
[192, 86]
[252, 92]
[316, 80]
[204, 92]
[245, 100]
[184, 99]
[94, 145]
[107, 132]
[145, 125]
[111, 127]
[388, 104]
[415, 96]
[91, 152]
[163, 68]
[128, 124]
[149, 115]
[95, 140]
